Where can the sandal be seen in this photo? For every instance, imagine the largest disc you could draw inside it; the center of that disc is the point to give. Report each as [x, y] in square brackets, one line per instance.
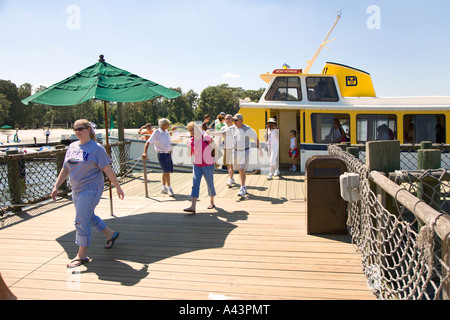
[212, 206]
[77, 262]
[110, 243]
[189, 210]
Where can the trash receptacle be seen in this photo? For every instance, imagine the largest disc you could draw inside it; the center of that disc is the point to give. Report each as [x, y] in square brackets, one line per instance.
[326, 210]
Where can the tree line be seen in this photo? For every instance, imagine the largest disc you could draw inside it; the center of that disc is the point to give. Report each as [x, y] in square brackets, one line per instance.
[189, 106]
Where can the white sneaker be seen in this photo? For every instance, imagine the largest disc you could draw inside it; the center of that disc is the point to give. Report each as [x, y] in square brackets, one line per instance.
[230, 183]
[242, 192]
[277, 173]
[294, 168]
[170, 191]
[164, 190]
[269, 176]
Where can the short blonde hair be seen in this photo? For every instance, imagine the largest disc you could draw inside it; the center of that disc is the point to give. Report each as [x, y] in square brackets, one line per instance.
[193, 125]
[190, 125]
[87, 124]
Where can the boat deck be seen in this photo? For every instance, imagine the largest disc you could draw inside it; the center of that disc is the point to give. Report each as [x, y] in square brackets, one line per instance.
[255, 248]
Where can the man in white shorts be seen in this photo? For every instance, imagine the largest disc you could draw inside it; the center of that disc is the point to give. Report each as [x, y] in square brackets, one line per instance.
[242, 136]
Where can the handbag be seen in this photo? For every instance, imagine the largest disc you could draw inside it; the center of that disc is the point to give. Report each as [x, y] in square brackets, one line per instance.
[213, 151]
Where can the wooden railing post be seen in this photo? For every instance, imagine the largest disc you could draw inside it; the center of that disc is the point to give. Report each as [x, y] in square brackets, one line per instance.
[59, 164]
[428, 158]
[383, 156]
[445, 244]
[14, 179]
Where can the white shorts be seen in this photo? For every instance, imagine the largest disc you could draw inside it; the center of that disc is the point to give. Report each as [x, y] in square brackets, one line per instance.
[241, 158]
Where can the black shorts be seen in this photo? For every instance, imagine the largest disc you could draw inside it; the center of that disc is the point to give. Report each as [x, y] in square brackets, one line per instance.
[165, 160]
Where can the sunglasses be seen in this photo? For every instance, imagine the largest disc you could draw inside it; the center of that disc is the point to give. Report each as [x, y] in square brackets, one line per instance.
[79, 129]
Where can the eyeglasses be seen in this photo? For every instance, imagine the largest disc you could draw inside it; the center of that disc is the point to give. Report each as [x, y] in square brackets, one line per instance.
[79, 129]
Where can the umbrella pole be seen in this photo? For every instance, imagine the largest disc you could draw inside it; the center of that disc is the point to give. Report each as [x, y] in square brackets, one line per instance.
[108, 151]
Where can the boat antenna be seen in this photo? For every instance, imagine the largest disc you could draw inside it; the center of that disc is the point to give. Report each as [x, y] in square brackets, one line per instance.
[322, 45]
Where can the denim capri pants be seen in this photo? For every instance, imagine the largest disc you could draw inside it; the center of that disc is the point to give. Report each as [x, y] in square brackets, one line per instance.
[85, 202]
[208, 173]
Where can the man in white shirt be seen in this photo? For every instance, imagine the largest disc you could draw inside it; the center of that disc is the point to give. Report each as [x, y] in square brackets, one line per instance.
[240, 134]
[160, 138]
[243, 134]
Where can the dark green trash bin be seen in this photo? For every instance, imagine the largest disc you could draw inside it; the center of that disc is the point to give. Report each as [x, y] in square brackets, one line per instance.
[326, 210]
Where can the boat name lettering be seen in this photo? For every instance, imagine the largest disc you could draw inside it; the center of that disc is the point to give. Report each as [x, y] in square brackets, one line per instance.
[287, 71]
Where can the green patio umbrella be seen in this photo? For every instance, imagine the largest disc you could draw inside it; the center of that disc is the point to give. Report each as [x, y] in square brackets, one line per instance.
[101, 81]
[6, 127]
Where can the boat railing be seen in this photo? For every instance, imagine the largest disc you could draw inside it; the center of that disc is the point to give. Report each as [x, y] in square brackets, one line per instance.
[401, 227]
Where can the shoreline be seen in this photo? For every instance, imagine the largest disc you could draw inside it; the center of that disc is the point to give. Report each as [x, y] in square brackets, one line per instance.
[28, 135]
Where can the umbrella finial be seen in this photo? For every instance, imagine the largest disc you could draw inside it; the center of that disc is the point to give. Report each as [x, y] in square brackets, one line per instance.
[102, 58]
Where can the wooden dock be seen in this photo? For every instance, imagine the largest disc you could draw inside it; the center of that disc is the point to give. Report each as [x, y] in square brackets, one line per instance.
[255, 248]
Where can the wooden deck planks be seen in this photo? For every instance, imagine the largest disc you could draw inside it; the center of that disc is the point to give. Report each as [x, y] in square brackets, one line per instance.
[252, 248]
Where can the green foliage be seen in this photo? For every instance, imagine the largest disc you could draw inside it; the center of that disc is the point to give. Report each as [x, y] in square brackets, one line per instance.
[187, 107]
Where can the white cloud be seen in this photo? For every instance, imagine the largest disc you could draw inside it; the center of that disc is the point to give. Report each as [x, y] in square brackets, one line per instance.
[230, 75]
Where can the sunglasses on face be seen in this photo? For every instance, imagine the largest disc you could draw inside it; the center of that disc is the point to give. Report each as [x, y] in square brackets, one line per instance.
[79, 129]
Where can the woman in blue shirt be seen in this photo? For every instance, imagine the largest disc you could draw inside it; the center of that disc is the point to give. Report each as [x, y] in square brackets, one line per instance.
[83, 164]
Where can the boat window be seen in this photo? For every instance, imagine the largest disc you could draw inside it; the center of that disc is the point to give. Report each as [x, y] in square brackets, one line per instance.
[424, 127]
[330, 128]
[321, 89]
[285, 89]
[371, 127]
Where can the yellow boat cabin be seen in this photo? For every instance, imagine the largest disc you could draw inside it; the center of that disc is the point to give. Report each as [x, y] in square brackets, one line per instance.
[338, 105]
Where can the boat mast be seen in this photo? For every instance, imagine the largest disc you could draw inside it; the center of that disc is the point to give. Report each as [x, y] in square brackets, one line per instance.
[322, 45]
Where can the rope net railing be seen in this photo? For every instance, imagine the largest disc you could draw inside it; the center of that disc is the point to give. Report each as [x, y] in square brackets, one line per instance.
[28, 178]
[403, 256]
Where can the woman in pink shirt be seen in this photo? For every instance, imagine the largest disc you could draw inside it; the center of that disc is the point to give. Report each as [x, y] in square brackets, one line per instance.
[201, 146]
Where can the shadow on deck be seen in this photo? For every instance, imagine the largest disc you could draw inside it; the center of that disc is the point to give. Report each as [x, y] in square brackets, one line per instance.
[253, 248]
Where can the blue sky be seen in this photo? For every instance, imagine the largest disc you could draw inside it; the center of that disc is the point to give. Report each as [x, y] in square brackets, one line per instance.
[194, 44]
